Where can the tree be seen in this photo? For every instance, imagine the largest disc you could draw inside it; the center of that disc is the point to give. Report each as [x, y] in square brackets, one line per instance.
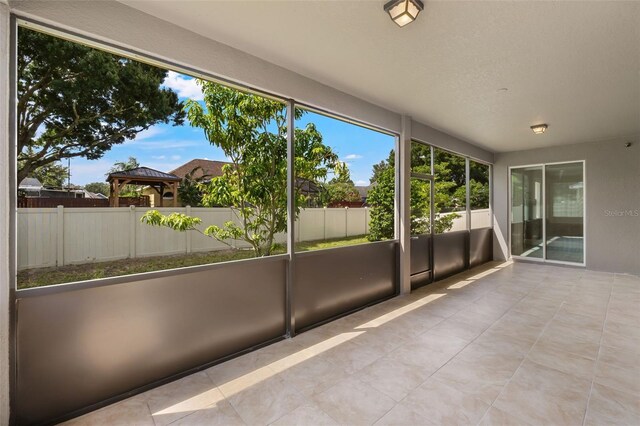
[52, 175]
[190, 191]
[98, 188]
[251, 131]
[382, 193]
[340, 188]
[125, 166]
[76, 101]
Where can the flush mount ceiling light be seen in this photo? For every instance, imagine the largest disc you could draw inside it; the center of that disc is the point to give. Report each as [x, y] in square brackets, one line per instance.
[539, 129]
[403, 12]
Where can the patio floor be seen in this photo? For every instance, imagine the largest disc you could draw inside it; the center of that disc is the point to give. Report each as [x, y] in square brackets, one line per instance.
[506, 343]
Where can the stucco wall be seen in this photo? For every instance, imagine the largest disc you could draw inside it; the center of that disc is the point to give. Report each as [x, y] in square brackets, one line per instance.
[612, 185]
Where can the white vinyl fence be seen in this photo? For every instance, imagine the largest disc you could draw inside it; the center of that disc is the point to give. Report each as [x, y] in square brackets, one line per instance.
[64, 236]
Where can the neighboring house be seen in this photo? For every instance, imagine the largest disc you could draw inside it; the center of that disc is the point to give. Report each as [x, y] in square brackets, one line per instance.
[206, 169]
[202, 170]
[364, 192]
[33, 188]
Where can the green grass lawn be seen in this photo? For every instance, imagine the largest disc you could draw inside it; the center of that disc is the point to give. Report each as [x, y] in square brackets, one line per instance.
[90, 271]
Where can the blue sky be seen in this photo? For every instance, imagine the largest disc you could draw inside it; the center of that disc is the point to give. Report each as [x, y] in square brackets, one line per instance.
[165, 147]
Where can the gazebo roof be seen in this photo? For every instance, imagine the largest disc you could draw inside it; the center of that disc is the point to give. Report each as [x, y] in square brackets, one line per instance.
[143, 176]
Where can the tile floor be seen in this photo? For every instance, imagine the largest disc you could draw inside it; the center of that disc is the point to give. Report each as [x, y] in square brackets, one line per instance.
[502, 344]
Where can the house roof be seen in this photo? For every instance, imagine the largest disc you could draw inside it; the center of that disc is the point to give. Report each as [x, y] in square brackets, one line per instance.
[144, 174]
[30, 183]
[363, 190]
[207, 168]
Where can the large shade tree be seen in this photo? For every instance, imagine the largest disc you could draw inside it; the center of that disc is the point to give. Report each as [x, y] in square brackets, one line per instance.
[76, 101]
[252, 133]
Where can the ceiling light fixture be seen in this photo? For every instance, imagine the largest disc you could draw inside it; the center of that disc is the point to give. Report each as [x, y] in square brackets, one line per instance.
[403, 12]
[539, 129]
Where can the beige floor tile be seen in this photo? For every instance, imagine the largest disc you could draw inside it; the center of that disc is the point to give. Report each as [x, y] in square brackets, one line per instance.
[393, 377]
[313, 376]
[598, 313]
[479, 371]
[497, 417]
[609, 406]
[178, 399]
[549, 356]
[130, 412]
[385, 338]
[306, 415]
[352, 402]
[266, 401]
[463, 326]
[625, 357]
[577, 320]
[623, 330]
[508, 343]
[575, 341]
[401, 415]
[622, 379]
[219, 414]
[519, 325]
[541, 395]
[442, 404]
[351, 357]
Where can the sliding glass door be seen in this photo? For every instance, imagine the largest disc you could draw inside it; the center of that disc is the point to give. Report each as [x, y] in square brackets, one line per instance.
[564, 195]
[547, 212]
[526, 212]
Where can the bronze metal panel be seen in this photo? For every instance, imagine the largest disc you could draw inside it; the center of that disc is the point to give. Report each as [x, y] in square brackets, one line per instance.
[420, 256]
[79, 345]
[332, 282]
[480, 246]
[450, 253]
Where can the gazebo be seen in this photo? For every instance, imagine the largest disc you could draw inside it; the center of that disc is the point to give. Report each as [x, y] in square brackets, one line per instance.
[142, 176]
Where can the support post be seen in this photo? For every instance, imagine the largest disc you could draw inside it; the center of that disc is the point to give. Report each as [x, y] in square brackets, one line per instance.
[346, 222]
[175, 194]
[404, 162]
[116, 194]
[60, 236]
[467, 169]
[7, 207]
[132, 232]
[324, 223]
[291, 219]
[189, 234]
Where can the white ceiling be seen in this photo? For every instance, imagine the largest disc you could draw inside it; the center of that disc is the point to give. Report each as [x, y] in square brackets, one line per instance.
[573, 65]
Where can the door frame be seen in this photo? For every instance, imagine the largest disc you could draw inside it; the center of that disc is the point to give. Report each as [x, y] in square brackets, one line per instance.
[544, 213]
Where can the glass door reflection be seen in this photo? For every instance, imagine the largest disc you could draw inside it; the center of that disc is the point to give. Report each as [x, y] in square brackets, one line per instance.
[527, 212]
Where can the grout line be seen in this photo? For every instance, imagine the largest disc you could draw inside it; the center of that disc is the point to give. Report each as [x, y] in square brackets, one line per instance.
[595, 365]
[523, 359]
[470, 342]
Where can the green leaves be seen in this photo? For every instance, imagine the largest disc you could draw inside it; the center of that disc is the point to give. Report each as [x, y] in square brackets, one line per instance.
[176, 221]
[76, 101]
[251, 131]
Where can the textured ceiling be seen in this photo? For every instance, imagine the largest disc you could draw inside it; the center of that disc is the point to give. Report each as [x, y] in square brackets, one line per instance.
[573, 65]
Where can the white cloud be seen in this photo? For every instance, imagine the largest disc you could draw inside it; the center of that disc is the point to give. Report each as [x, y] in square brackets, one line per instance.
[169, 144]
[149, 133]
[159, 157]
[175, 157]
[83, 171]
[352, 157]
[361, 183]
[185, 87]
